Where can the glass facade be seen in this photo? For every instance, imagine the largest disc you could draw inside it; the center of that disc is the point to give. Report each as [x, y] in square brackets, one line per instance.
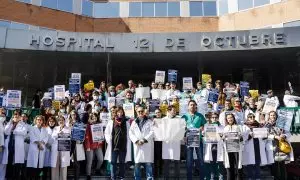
[135, 9]
[87, 8]
[174, 9]
[161, 9]
[65, 5]
[24, 1]
[50, 4]
[196, 8]
[106, 10]
[223, 7]
[210, 8]
[261, 2]
[147, 9]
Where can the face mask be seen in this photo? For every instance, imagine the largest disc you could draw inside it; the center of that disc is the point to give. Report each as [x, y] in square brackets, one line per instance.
[62, 110]
[2, 119]
[95, 98]
[112, 93]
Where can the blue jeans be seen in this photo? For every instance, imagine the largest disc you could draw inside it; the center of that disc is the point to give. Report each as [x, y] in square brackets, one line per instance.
[137, 171]
[190, 161]
[114, 160]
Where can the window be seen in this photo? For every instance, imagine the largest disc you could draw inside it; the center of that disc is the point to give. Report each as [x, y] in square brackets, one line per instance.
[104, 10]
[245, 4]
[50, 3]
[147, 9]
[223, 7]
[173, 9]
[210, 8]
[87, 8]
[4, 23]
[196, 8]
[261, 2]
[135, 9]
[15, 25]
[65, 5]
[160, 9]
[25, 1]
[292, 24]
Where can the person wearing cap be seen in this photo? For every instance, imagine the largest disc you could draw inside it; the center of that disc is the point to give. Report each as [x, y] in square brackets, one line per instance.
[272, 97]
[172, 91]
[290, 100]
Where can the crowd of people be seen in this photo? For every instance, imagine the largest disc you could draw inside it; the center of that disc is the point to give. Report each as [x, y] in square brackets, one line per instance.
[29, 150]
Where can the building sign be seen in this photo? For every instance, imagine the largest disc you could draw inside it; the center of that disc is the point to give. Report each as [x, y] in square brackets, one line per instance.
[150, 42]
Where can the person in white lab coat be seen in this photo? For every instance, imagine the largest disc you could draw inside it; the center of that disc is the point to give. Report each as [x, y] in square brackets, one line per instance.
[36, 154]
[290, 100]
[14, 151]
[252, 108]
[141, 134]
[171, 149]
[50, 125]
[172, 91]
[238, 111]
[272, 97]
[60, 160]
[2, 120]
[227, 109]
[254, 154]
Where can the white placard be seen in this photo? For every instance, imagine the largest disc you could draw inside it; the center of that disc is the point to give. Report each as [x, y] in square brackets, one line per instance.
[169, 129]
[129, 109]
[76, 76]
[104, 117]
[160, 76]
[80, 153]
[183, 106]
[159, 94]
[97, 132]
[59, 92]
[210, 133]
[270, 105]
[187, 83]
[111, 101]
[260, 132]
[13, 99]
[142, 92]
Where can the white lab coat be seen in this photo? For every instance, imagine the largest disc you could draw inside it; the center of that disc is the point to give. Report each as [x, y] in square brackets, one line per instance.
[35, 158]
[249, 153]
[204, 94]
[290, 100]
[275, 98]
[19, 133]
[222, 117]
[256, 114]
[171, 93]
[145, 152]
[108, 138]
[2, 131]
[47, 161]
[65, 155]
[26, 145]
[207, 148]
[234, 128]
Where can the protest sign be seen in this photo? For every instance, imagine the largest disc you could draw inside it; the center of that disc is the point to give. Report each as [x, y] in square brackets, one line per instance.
[76, 76]
[104, 117]
[183, 106]
[59, 92]
[129, 110]
[230, 92]
[158, 129]
[202, 107]
[213, 96]
[260, 132]
[254, 93]
[78, 132]
[1, 100]
[169, 129]
[89, 86]
[160, 76]
[244, 88]
[270, 105]
[97, 132]
[142, 92]
[64, 142]
[56, 105]
[159, 94]
[74, 86]
[80, 153]
[111, 101]
[193, 137]
[206, 78]
[210, 133]
[284, 120]
[172, 75]
[120, 101]
[187, 83]
[232, 142]
[153, 105]
[13, 99]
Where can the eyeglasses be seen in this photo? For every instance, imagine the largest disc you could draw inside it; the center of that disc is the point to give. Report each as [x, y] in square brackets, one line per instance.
[250, 116]
[140, 111]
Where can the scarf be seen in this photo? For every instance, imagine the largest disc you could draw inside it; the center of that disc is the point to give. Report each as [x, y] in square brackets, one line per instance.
[252, 124]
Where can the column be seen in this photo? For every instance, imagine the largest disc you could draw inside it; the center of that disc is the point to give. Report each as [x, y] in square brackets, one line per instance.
[108, 69]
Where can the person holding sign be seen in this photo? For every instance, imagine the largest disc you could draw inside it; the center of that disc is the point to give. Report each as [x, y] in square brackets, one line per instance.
[213, 154]
[141, 134]
[92, 147]
[277, 156]
[60, 160]
[36, 154]
[254, 154]
[232, 136]
[172, 91]
[118, 143]
[171, 149]
[194, 120]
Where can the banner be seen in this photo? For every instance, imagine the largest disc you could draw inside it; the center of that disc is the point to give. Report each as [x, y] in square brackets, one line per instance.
[64, 142]
[210, 133]
[206, 78]
[78, 132]
[13, 99]
[270, 105]
[160, 76]
[169, 129]
[159, 94]
[74, 86]
[172, 75]
[193, 137]
[97, 132]
[213, 96]
[142, 92]
[59, 92]
[153, 105]
[232, 142]
[260, 132]
[120, 101]
[284, 120]
[111, 101]
[244, 89]
[187, 83]
[129, 110]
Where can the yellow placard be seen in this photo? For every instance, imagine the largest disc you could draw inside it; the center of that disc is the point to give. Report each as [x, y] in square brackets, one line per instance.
[89, 86]
[206, 78]
[254, 93]
[164, 109]
[56, 105]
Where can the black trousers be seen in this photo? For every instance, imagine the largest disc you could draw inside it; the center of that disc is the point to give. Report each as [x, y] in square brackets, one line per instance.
[33, 173]
[233, 172]
[278, 170]
[13, 171]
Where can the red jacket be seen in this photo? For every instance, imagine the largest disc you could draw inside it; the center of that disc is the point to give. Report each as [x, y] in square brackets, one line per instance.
[88, 142]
